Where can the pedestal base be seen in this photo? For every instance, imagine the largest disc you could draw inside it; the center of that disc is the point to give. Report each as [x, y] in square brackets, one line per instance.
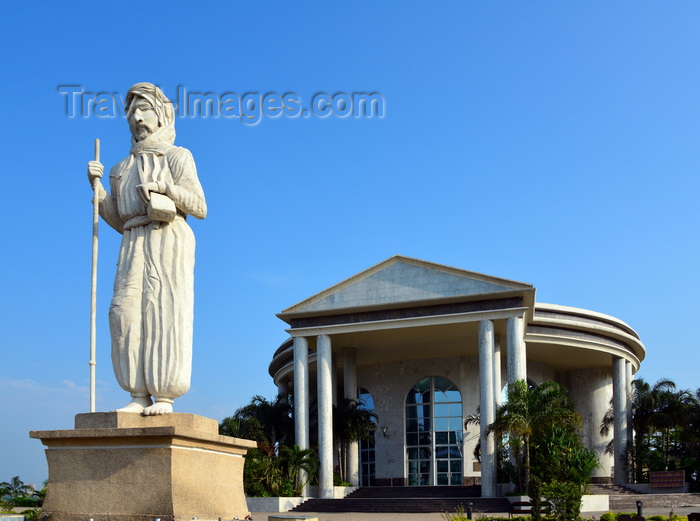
[126, 467]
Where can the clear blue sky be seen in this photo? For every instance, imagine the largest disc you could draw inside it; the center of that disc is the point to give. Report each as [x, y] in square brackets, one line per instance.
[554, 143]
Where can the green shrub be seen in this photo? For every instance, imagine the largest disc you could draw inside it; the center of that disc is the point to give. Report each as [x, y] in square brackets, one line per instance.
[286, 488]
[565, 499]
[25, 501]
[31, 515]
[612, 516]
[339, 482]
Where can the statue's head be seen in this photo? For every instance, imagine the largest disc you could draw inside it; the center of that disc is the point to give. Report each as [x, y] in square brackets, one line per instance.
[147, 110]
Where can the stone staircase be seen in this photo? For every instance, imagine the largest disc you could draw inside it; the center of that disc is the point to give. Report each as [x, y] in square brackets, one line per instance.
[448, 499]
[408, 500]
[628, 502]
[623, 499]
[611, 490]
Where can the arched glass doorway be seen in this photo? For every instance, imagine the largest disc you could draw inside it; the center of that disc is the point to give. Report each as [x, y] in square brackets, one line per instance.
[434, 433]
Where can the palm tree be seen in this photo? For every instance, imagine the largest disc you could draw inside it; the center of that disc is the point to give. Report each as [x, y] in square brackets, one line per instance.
[474, 419]
[262, 474]
[528, 413]
[351, 422]
[655, 411]
[272, 468]
[689, 441]
[269, 423]
[295, 460]
[16, 488]
[248, 429]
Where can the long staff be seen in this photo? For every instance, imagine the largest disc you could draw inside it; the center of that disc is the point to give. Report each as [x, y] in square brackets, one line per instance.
[93, 297]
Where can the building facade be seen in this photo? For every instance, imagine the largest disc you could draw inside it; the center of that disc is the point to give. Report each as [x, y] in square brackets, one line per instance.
[426, 345]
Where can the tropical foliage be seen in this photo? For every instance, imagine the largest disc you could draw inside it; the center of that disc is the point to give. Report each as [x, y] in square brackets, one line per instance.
[269, 423]
[271, 469]
[272, 475]
[15, 493]
[539, 427]
[563, 498]
[352, 422]
[274, 467]
[666, 424]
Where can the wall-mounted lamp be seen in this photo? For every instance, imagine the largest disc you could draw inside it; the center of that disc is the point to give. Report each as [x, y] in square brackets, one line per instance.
[384, 429]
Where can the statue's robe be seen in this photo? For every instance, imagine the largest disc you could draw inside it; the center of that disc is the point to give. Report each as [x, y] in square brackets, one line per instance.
[151, 314]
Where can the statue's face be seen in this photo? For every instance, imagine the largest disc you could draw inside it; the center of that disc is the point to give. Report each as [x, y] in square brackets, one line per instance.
[143, 120]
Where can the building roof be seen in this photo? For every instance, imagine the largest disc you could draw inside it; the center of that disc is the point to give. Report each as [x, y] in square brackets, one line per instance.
[399, 281]
[405, 308]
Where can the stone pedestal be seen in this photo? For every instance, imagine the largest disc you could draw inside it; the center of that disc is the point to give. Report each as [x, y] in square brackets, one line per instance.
[126, 467]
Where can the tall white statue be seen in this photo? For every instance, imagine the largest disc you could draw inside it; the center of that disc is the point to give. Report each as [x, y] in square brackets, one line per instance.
[152, 191]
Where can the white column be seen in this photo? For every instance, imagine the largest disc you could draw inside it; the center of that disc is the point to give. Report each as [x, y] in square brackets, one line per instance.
[515, 334]
[301, 399]
[350, 391]
[324, 381]
[486, 405]
[620, 420]
[283, 386]
[301, 392]
[630, 399]
[497, 370]
[630, 430]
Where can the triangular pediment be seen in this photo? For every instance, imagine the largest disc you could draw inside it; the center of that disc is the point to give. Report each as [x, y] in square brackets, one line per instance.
[404, 280]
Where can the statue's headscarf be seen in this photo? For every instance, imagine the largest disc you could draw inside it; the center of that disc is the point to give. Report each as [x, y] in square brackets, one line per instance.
[165, 134]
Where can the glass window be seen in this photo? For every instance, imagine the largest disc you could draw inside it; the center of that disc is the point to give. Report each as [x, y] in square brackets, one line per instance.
[434, 426]
[423, 386]
[442, 409]
[455, 409]
[442, 424]
[366, 448]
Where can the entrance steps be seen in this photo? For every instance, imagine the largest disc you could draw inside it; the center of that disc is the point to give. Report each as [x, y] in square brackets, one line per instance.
[628, 502]
[610, 490]
[623, 499]
[408, 500]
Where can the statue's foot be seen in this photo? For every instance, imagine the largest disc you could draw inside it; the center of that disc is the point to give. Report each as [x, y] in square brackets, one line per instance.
[137, 404]
[158, 408]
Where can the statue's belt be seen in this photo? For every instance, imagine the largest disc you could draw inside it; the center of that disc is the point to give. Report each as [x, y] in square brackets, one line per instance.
[144, 220]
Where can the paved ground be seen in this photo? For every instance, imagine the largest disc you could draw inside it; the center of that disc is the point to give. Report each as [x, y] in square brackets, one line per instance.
[682, 510]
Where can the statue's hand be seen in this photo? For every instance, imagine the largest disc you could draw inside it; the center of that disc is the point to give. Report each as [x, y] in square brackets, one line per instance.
[95, 171]
[145, 190]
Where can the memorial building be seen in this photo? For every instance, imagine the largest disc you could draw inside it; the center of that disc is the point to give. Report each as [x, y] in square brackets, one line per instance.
[426, 346]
